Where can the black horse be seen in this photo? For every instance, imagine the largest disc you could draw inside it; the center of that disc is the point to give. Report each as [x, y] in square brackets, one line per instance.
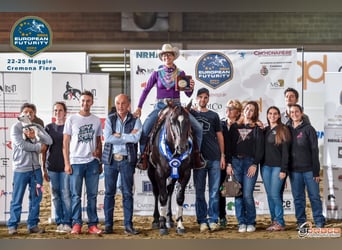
[170, 166]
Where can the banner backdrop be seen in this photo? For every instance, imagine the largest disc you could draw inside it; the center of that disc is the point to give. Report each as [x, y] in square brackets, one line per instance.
[332, 167]
[260, 75]
[15, 89]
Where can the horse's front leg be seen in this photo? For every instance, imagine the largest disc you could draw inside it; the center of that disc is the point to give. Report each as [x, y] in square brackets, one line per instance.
[180, 197]
[163, 197]
[179, 210]
[170, 188]
[155, 190]
[156, 215]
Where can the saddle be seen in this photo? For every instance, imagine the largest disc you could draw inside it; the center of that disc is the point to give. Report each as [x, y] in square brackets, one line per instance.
[198, 161]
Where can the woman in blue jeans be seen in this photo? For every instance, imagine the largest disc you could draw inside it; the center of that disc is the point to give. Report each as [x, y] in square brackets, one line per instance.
[274, 169]
[53, 166]
[246, 150]
[304, 168]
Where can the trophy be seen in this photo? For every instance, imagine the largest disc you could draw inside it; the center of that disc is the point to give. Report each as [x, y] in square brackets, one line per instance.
[183, 83]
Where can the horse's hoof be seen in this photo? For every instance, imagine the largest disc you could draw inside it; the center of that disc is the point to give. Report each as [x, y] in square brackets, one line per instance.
[163, 231]
[155, 225]
[180, 231]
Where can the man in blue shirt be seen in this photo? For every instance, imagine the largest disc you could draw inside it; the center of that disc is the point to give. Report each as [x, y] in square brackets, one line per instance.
[123, 131]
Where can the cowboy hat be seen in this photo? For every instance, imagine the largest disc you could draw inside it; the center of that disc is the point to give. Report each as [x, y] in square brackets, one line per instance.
[167, 48]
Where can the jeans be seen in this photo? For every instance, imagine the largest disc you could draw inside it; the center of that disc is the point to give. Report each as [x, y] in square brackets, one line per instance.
[151, 119]
[90, 172]
[61, 198]
[273, 186]
[20, 182]
[111, 173]
[244, 205]
[213, 171]
[222, 199]
[298, 182]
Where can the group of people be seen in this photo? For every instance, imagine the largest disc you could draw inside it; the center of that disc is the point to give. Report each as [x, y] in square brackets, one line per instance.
[278, 150]
[239, 145]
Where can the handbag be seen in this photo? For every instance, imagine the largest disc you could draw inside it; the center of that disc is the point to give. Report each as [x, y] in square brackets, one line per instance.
[231, 187]
[107, 154]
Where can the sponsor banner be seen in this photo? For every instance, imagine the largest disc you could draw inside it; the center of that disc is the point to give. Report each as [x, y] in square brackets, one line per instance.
[260, 75]
[144, 199]
[332, 192]
[332, 170]
[314, 65]
[68, 62]
[68, 87]
[15, 90]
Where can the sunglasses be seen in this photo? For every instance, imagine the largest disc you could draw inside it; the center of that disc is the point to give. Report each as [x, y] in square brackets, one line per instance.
[230, 108]
[167, 54]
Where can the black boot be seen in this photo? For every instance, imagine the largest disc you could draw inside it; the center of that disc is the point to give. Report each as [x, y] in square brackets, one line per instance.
[142, 162]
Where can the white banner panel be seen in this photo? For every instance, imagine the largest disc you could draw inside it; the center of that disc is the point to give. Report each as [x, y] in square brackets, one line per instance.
[68, 88]
[260, 75]
[52, 62]
[332, 156]
[314, 65]
[332, 190]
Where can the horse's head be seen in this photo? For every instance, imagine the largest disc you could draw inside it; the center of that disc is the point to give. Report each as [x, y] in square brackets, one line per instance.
[178, 129]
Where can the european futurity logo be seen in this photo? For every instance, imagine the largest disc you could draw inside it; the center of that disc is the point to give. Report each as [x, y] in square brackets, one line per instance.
[31, 35]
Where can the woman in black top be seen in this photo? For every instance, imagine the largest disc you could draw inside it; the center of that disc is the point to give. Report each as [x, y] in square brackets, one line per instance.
[274, 169]
[53, 166]
[233, 112]
[245, 151]
[304, 168]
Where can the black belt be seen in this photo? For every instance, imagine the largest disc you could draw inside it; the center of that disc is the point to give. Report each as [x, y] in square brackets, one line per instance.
[119, 157]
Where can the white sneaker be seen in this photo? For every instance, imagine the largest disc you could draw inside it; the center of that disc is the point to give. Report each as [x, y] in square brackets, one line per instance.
[204, 227]
[250, 228]
[214, 227]
[59, 229]
[66, 228]
[242, 228]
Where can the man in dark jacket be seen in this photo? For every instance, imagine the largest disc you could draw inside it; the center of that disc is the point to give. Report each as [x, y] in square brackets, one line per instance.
[123, 131]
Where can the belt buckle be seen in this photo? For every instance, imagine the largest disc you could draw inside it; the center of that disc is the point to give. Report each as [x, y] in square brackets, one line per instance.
[118, 157]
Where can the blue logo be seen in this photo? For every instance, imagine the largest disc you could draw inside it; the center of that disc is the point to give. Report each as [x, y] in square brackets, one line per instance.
[31, 35]
[146, 186]
[214, 69]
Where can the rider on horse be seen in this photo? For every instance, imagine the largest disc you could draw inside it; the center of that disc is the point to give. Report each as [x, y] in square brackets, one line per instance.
[165, 78]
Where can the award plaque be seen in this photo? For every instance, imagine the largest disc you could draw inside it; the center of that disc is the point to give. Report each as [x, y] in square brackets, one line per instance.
[183, 83]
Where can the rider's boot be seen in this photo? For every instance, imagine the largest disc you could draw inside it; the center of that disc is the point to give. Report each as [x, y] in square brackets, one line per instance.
[199, 160]
[142, 161]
